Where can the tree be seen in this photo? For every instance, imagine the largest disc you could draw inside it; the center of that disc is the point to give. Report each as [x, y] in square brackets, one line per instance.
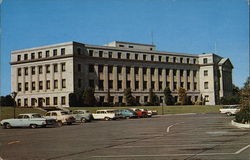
[130, 100]
[89, 97]
[7, 101]
[168, 96]
[182, 96]
[153, 99]
[73, 101]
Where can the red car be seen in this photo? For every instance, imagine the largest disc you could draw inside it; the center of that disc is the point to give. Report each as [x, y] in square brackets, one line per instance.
[140, 113]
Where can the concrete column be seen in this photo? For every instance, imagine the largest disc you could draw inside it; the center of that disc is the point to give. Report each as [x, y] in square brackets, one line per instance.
[149, 78]
[59, 77]
[140, 79]
[191, 80]
[198, 80]
[30, 79]
[45, 77]
[185, 78]
[164, 79]
[52, 73]
[105, 77]
[132, 77]
[96, 81]
[178, 78]
[171, 75]
[115, 78]
[156, 75]
[124, 78]
[37, 79]
[23, 80]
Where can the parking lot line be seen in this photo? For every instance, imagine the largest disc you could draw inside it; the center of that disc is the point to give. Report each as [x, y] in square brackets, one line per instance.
[168, 129]
[1, 158]
[167, 155]
[14, 142]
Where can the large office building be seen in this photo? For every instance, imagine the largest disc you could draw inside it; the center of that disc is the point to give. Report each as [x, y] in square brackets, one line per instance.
[45, 76]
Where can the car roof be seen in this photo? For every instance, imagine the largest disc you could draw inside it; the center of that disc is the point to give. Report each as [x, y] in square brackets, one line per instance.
[80, 110]
[29, 114]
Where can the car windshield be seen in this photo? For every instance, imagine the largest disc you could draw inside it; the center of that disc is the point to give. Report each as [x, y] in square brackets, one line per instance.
[64, 113]
[36, 116]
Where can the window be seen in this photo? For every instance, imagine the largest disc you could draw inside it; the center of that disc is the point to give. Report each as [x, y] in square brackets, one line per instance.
[33, 86]
[63, 99]
[32, 55]
[91, 53]
[91, 68]
[47, 101]
[182, 84]
[175, 85]
[119, 84]
[136, 84]
[160, 85]
[91, 83]
[187, 60]
[33, 70]
[136, 56]
[110, 54]
[174, 59]
[79, 83]
[101, 99]
[160, 58]
[144, 57]
[55, 52]
[188, 85]
[130, 46]
[39, 54]
[100, 68]
[62, 51]
[128, 83]
[160, 71]
[19, 71]
[33, 102]
[47, 68]
[110, 83]
[206, 98]
[55, 67]
[18, 57]
[127, 70]
[128, 56]
[121, 45]
[205, 85]
[195, 86]
[205, 72]
[48, 84]
[100, 53]
[152, 71]
[194, 60]
[40, 69]
[40, 85]
[110, 69]
[174, 72]
[145, 99]
[119, 55]
[55, 84]
[204, 60]
[63, 83]
[120, 99]
[144, 70]
[63, 67]
[136, 70]
[181, 60]
[188, 72]
[152, 85]
[26, 71]
[167, 72]
[79, 67]
[152, 57]
[195, 73]
[100, 85]
[119, 69]
[144, 84]
[25, 104]
[25, 56]
[55, 101]
[167, 59]
[19, 87]
[181, 73]
[18, 102]
[47, 53]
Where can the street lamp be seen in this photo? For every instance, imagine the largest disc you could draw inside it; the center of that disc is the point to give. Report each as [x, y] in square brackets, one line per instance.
[13, 95]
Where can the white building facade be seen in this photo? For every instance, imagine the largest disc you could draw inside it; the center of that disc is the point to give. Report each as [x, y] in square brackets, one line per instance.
[45, 76]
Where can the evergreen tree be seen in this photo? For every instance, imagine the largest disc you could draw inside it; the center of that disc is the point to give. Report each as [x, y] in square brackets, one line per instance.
[182, 96]
[153, 99]
[73, 102]
[130, 100]
[168, 96]
[89, 97]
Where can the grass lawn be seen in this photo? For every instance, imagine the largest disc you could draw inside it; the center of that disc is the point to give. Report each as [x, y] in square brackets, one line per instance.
[7, 112]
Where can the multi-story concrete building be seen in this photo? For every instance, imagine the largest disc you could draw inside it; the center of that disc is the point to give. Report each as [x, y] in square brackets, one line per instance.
[44, 76]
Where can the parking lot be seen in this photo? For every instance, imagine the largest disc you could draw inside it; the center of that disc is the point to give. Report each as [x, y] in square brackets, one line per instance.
[171, 137]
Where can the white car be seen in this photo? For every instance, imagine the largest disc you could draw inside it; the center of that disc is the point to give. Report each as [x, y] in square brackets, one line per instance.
[230, 109]
[62, 117]
[106, 114]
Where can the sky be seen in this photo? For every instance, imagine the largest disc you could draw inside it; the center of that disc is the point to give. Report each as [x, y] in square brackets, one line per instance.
[184, 26]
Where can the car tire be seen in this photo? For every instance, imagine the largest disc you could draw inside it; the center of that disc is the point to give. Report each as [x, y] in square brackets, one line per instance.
[59, 123]
[106, 118]
[83, 120]
[7, 126]
[33, 126]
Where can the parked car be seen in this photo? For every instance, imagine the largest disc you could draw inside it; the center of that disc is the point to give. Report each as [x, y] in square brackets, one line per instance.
[230, 109]
[32, 120]
[140, 113]
[82, 116]
[106, 114]
[149, 112]
[62, 117]
[127, 113]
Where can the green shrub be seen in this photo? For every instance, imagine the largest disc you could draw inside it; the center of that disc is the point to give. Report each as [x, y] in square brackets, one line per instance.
[243, 116]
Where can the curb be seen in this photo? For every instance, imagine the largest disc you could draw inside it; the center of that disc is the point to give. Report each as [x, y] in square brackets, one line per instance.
[240, 125]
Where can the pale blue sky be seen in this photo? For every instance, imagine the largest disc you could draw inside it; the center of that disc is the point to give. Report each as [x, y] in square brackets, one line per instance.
[186, 26]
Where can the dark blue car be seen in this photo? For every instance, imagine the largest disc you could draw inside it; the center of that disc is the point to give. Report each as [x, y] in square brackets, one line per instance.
[127, 113]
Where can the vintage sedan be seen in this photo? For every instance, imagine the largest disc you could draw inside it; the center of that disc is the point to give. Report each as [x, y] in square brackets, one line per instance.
[127, 113]
[82, 116]
[32, 120]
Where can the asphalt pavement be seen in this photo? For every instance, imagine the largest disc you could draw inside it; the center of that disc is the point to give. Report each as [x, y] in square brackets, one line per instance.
[168, 137]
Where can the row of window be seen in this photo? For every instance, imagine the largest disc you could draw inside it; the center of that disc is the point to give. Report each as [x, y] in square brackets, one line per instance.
[128, 84]
[40, 69]
[40, 85]
[40, 54]
[39, 102]
[145, 57]
[136, 70]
